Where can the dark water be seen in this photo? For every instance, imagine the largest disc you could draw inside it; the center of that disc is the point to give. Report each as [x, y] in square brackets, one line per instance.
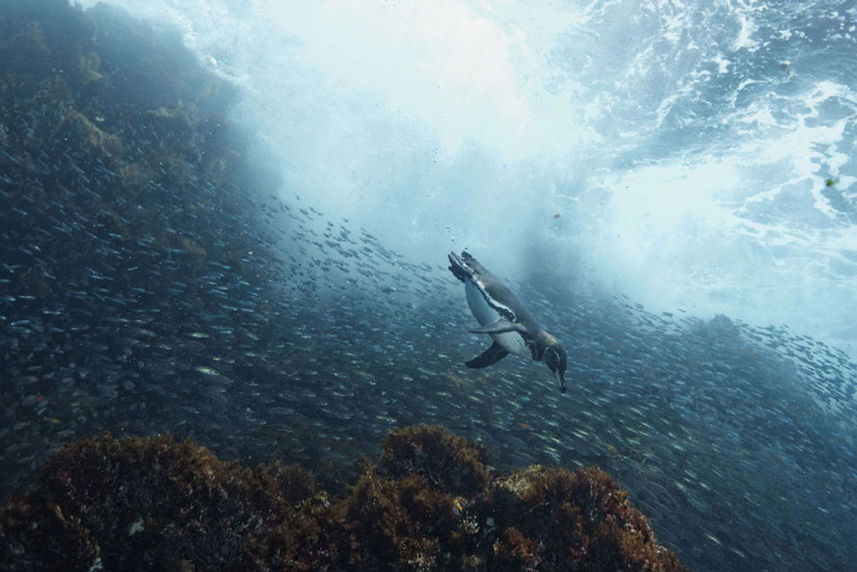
[152, 280]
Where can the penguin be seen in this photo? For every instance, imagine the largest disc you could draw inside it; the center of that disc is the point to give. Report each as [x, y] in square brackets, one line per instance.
[502, 316]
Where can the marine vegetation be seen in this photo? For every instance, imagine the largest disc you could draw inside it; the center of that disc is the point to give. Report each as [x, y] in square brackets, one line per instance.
[430, 503]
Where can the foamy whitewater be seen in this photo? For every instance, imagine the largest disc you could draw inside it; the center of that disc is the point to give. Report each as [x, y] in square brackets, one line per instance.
[687, 155]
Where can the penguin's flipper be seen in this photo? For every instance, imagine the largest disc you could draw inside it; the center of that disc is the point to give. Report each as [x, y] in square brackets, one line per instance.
[490, 356]
[500, 326]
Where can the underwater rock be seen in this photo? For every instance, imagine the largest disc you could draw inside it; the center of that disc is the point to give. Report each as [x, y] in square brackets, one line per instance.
[153, 502]
[143, 503]
[583, 520]
[450, 463]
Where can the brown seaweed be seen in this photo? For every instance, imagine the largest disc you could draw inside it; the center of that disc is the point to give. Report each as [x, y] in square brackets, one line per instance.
[429, 504]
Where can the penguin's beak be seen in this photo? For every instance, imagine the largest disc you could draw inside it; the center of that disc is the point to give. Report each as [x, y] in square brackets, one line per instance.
[555, 359]
[560, 380]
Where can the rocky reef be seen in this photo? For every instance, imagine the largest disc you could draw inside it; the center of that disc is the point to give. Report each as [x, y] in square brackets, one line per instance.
[429, 503]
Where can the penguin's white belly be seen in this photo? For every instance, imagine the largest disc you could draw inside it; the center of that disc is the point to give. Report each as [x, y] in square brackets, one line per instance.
[480, 308]
[513, 342]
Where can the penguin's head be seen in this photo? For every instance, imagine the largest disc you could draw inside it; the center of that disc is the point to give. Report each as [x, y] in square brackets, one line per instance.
[555, 358]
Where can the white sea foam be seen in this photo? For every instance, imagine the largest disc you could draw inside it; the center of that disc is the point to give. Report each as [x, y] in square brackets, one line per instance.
[686, 146]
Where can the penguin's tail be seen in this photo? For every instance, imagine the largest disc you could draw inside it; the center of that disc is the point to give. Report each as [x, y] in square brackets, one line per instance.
[459, 267]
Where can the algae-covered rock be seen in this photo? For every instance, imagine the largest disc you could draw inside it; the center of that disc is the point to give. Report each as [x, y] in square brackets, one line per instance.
[577, 520]
[448, 462]
[155, 503]
[404, 523]
[140, 503]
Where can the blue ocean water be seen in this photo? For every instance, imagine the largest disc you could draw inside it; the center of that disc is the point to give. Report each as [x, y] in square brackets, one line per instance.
[669, 185]
[687, 147]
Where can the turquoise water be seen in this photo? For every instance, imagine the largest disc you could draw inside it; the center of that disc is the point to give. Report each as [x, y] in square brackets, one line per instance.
[250, 250]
